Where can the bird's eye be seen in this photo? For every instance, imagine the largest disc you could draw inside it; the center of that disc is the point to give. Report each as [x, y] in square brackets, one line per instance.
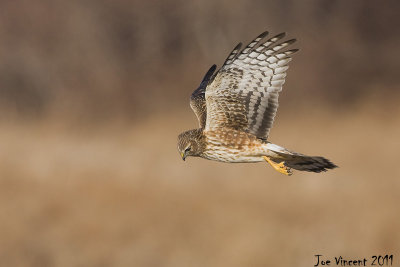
[187, 149]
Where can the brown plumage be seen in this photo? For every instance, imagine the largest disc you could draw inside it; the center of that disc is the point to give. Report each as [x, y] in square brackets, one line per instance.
[236, 107]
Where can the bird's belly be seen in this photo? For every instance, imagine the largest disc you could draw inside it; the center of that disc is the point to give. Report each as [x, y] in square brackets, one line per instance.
[233, 146]
[232, 155]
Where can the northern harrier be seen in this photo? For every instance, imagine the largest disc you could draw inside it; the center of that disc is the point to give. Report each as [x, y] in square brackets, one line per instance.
[236, 107]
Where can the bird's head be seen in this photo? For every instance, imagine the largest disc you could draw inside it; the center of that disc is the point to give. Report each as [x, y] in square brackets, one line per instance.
[189, 143]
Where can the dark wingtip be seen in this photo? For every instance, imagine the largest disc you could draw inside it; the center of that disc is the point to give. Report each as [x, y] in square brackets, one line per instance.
[238, 46]
[210, 72]
[280, 36]
[262, 35]
[207, 76]
[291, 41]
[212, 69]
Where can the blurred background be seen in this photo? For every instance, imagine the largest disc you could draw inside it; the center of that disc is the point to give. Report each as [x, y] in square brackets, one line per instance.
[94, 93]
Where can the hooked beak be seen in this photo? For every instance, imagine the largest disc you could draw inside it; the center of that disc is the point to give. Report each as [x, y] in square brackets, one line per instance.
[183, 155]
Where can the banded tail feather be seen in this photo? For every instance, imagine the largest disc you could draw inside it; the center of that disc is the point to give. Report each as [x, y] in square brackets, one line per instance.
[299, 161]
[309, 163]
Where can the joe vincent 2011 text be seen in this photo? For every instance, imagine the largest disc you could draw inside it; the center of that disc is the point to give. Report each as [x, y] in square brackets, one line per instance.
[339, 261]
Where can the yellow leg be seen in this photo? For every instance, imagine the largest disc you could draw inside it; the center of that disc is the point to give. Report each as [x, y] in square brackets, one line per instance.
[280, 167]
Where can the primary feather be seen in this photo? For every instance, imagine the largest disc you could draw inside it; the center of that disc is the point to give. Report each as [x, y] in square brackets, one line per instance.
[243, 94]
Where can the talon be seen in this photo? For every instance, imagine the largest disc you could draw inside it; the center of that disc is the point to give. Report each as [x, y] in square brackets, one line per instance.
[280, 167]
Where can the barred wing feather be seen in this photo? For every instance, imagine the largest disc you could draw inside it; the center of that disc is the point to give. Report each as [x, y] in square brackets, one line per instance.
[243, 94]
[198, 100]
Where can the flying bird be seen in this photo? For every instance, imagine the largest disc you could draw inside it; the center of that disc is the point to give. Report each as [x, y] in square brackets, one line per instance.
[236, 107]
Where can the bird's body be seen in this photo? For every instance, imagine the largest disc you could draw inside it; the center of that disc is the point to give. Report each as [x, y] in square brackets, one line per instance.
[233, 146]
[236, 107]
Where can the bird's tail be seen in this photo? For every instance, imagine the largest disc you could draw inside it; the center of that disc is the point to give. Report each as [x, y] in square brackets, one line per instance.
[297, 161]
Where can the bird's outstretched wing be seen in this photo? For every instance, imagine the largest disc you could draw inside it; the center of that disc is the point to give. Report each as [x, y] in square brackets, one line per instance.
[243, 94]
[198, 100]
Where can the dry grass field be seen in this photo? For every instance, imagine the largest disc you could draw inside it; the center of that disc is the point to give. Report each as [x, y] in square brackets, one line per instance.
[121, 196]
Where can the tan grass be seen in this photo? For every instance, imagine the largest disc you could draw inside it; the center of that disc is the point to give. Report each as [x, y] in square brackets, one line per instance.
[121, 196]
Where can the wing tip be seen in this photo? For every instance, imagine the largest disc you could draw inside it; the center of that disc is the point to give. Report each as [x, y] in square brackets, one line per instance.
[281, 35]
[291, 41]
[238, 46]
[208, 74]
[212, 68]
[205, 81]
[262, 35]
